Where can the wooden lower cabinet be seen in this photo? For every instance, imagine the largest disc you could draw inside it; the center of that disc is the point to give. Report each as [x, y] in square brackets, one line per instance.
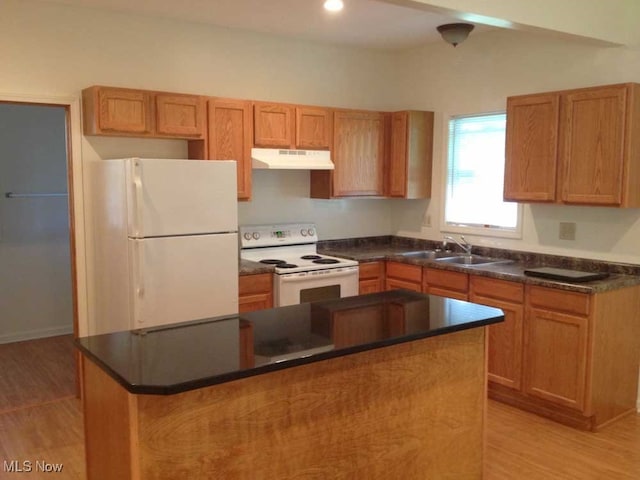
[446, 283]
[505, 339]
[580, 356]
[403, 275]
[255, 292]
[556, 357]
[371, 277]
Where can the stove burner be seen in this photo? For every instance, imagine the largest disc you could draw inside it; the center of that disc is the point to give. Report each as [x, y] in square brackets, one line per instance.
[271, 261]
[310, 257]
[326, 261]
[286, 265]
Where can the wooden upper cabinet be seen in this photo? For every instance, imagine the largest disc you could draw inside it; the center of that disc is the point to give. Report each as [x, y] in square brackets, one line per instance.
[531, 148]
[231, 136]
[410, 154]
[273, 125]
[314, 128]
[358, 153]
[594, 151]
[579, 147]
[117, 111]
[399, 137]
[180, 115]
[142, 113]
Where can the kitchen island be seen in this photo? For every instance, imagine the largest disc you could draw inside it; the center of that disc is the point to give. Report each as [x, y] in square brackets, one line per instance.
[388, 385]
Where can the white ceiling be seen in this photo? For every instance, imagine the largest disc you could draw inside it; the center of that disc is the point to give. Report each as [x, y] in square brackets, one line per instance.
[376, 24]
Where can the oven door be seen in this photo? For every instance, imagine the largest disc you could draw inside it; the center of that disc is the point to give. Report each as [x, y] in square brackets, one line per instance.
[303, 287]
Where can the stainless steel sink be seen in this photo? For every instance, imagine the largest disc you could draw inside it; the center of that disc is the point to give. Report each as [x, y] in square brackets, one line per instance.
[471, 260]
[426, 254]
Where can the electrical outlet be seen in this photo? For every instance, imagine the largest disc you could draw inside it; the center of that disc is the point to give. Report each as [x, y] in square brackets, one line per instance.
[567, 231]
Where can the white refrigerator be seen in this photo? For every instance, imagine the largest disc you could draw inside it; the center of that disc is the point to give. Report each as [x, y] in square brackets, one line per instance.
[164, 243]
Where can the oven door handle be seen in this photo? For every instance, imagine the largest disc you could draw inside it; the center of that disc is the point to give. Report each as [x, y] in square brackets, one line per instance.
[293, 277]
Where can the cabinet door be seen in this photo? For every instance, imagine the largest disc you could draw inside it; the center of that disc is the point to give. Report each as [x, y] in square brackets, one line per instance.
[446, 283]
[358, 153]
[180, 115]
[273, 125]
[314, 127]
[230, 137]
[395, 283]
[593, 148]
[123, 110]
[555, 357]
[531, 154]
[398, 154]
[371, 277]
[255, 292]
[505, 343]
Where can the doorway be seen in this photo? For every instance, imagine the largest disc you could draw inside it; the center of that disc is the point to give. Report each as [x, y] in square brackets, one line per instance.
[37, 254]
[35, 279]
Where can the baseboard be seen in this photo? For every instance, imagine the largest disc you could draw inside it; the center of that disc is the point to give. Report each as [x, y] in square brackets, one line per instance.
[33, 334]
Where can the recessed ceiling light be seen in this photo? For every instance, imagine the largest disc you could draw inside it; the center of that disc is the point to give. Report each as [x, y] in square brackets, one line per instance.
[333, 5]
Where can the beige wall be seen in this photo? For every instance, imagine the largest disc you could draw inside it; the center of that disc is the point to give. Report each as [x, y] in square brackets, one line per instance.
[477, 77]
[52, 50]
[58, 50]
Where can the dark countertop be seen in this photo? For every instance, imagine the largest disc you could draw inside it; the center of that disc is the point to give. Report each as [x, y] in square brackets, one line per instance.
[620, 275]
[247, 267]
[187, 356]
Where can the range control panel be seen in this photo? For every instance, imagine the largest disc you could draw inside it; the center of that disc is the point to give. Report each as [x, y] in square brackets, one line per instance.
[252, 236]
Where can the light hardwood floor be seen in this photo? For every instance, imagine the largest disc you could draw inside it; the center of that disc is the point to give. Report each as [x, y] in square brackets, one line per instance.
[520, 445]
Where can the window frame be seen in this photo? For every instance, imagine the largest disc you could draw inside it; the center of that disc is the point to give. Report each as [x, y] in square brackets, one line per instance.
[473, 229]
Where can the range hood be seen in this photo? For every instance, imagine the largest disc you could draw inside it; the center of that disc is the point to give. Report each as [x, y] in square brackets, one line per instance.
[275, 158]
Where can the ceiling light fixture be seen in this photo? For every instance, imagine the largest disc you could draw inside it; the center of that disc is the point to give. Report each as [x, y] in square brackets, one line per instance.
[455, 33]
[333, 5]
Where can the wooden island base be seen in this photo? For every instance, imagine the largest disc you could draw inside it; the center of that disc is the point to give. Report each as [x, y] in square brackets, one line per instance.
[413, 411]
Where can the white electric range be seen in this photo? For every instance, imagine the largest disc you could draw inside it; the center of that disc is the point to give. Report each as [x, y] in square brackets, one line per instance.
[301, 275]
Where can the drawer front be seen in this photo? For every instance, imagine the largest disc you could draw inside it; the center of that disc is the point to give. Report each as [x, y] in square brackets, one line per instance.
[260, 283]
[498, 289]
[444, 279]
[403, 271]
[371, 270]
[559, 300]
[443, 292]
[393, 284]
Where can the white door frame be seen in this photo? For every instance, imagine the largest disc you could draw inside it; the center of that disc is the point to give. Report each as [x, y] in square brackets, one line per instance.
[76, 199]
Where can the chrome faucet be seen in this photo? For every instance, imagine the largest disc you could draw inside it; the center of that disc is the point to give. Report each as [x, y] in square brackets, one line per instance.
[466, 246]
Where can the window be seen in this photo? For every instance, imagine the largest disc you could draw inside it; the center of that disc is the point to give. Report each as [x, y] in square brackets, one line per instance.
[475, 178]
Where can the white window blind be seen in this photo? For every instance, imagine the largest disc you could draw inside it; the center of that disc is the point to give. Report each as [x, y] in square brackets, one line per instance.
[475, 174]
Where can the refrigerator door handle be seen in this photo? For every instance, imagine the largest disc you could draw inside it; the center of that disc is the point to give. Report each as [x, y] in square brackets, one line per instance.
[137, 184]
[139, 288]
